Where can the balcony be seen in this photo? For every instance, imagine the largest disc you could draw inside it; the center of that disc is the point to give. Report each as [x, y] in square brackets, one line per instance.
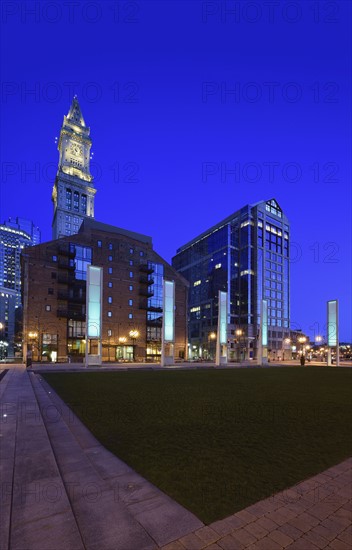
[65, 278]
[64, 263]
[155, 322]
[146, 280]
[146, 269]
[146, 292]
[71, 314]
[66, 249]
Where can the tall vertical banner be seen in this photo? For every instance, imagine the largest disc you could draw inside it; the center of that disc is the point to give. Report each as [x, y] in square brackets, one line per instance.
[333, 330]
[168, 326]
[262, 357]
[94, 314]
[221, 337]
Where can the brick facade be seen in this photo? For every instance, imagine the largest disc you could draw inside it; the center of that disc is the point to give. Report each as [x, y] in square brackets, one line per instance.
[54, 295]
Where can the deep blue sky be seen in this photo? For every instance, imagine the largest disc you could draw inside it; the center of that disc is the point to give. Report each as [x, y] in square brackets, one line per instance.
[172, 126]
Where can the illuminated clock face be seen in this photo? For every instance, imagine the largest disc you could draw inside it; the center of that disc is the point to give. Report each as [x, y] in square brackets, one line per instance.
[76, 149]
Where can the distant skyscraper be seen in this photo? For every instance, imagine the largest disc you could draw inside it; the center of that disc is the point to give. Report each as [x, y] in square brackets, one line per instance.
[73, 191]
[247, 256]
[27, 226]
[15, 234]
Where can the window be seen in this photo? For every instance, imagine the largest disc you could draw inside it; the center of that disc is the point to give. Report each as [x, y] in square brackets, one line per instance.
[130, 287]
[110, 284]
[110, 270]
[84, 204]
[109, 314]
[54, 258]
[130, 302]
[130, 316]
[47, 308]
[83, 258]
[110, 258]
[141, 253]
[131, 251]
[76, 201]
[50, 291]
[109, 299]
[68, 199]
[99, 244]
[76, 329]
[131, 274]
[110, 246]
[131, 262]
[53, 275]
[109, 332]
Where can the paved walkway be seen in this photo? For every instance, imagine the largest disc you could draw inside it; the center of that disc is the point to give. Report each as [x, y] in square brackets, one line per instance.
[313, 514]
[61, 489]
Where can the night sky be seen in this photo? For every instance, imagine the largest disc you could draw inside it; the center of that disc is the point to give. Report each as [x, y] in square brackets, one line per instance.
[196, 108]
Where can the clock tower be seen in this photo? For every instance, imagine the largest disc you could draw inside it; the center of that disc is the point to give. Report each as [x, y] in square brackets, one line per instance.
[73, 191]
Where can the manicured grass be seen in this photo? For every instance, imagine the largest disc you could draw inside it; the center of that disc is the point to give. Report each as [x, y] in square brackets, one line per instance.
[218, 440]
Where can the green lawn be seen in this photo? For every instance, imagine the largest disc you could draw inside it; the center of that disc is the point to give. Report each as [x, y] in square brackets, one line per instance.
[218, 440]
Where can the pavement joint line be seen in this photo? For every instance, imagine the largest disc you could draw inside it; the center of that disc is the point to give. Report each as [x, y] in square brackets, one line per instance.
[30, 376]
[187, 522]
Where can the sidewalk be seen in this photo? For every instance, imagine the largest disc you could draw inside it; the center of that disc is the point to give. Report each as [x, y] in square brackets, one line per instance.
[62, 489]
[316, 513]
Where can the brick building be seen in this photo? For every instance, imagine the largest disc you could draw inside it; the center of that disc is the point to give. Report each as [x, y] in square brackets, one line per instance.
[54, 295]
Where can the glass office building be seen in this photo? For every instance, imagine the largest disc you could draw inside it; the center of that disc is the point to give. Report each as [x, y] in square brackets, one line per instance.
[246, 255]
[15, 234]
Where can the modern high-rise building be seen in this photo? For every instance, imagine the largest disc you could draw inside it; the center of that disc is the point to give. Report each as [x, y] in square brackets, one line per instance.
[27, 226]
[247, 256]
[54, 296]
[73, 191]
[15, 234]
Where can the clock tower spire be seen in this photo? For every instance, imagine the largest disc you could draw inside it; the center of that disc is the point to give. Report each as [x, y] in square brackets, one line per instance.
[73, 191]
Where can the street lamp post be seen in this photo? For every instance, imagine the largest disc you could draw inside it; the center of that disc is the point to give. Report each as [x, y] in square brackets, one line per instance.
[239, 333]
[286, 341]
[212, 338]
[302, 340]
[134, 334]
[122, 341]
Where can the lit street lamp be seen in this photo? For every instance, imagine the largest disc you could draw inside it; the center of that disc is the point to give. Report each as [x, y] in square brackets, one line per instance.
[212, 338]
[239, 333]
[134, 334]
[302, 340]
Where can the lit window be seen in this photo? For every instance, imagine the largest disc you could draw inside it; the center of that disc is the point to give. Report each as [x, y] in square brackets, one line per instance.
[109, 299]
[110, 284]
[54, 258]
[110, 270]
[109, 332]
[130, 302]
[217, 266]
[109, 314]
[99, 244]
[130, 316]
[196, 283]
[131, 274]
[47, 308]
[130, 287]
[131, 262]
[110, 246]
[141, 253]
[110, 258]
[131, 251]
